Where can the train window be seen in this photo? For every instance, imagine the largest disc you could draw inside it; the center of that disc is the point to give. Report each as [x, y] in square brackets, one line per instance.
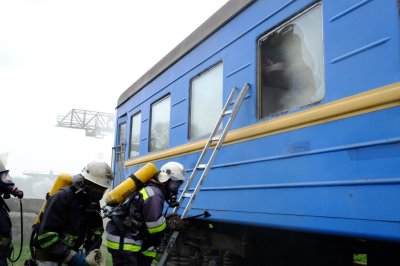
[121, 142]
[290, 59]
[135, 135]
[205, 101]
[122, 133]
[160, 124]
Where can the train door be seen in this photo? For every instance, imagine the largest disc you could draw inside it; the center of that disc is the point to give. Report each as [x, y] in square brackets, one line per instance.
[119, 151]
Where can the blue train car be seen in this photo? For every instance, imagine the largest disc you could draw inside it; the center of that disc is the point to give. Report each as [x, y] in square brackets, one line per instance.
[312, 161]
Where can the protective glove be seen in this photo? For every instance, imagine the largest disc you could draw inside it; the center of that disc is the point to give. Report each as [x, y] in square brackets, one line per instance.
[169, 215]
[78, 260]
[175, 223]
[95, 258]
[17, 193]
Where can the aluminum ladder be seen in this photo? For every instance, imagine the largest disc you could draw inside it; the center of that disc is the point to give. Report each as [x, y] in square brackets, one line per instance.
[205, 167]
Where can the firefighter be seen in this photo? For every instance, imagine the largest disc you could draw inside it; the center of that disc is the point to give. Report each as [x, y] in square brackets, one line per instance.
[71, 220]
[136, 228]
[7, 188]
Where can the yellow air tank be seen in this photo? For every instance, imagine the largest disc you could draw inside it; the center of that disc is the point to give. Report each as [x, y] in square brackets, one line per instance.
[62, 180]
[120, 193]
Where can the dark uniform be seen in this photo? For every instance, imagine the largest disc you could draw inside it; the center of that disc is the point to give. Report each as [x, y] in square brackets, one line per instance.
[134, 234]
[7, 188]
[5, 233]
[69, 221]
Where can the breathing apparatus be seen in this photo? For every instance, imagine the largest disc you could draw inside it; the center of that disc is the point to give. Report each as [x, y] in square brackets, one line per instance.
[98, 174]
[172, 175]
[7, 186]
[172, 191]
[134, 182]
[62, 180]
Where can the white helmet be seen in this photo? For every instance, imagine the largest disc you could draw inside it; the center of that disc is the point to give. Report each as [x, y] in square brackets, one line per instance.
[2, 167]
[172, 170]
[99, 173]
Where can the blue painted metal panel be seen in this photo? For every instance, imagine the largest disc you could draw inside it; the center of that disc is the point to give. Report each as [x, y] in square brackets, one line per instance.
[361, 47]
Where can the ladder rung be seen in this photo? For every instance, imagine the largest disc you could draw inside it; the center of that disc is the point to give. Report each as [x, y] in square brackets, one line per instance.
[187, 195]
[215, 138]
[228, 112]
[202, 166]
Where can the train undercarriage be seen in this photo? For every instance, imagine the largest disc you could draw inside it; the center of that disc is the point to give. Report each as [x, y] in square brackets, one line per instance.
[211, 244]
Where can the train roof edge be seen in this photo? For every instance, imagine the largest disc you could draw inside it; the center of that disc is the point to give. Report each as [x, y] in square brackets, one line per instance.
[211, 25]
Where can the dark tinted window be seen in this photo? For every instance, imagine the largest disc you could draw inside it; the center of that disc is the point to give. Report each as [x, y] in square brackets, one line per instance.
[291, 71]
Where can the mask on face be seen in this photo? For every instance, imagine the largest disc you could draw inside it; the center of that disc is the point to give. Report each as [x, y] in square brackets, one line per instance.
[172, 191]
[6, 184]
[95, 192]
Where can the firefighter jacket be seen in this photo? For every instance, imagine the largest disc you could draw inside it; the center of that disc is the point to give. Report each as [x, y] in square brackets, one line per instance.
[141, 227]
[5, 231]
[69, 221]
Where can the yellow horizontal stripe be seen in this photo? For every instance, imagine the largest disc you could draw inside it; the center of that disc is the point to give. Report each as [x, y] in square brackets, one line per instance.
[157, 228]
[126, 247]
[152, 254]
[373, 100]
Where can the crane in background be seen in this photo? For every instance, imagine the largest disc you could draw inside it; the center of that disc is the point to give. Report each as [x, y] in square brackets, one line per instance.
[96, 124]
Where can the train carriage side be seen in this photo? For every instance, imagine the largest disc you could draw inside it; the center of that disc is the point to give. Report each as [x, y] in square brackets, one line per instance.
[315, 145]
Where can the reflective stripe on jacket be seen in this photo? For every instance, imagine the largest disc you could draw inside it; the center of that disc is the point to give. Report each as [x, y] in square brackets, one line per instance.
[69, 220]
[113, 242]
[149, 206]
[153, 204]
[156, 226]
[150, 252]
[153, 200]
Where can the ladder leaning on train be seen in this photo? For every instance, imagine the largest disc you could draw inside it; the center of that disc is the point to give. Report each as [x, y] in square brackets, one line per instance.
[202, 168]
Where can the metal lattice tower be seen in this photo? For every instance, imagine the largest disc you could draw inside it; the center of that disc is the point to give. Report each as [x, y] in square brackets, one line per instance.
[96, 124]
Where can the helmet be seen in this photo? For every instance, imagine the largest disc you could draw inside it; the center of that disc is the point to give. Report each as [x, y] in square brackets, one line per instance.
[99, 173]
[172, 170]
[2, 167]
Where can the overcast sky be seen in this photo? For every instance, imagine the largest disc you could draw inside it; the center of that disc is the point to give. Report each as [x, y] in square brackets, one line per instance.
[58, 55]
